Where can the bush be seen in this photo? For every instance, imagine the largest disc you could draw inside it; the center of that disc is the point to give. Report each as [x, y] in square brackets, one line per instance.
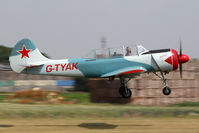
[38, 96]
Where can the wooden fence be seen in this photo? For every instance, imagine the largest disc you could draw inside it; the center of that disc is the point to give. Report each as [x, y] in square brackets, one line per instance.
[147, 88]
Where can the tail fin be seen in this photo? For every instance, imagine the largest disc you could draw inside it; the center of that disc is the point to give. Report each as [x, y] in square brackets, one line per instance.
[25, 54]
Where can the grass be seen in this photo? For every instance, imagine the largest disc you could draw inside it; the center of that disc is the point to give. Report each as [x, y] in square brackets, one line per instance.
[85, 109]
[82, 97]
[3, 96]
[10, 110]
[187, 104]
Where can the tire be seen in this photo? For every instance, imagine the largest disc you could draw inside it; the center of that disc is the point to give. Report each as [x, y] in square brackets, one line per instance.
[127, 94]
[166, 91]
[121, 90]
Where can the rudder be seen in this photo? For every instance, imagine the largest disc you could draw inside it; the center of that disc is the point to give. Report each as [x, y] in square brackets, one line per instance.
[25, 54]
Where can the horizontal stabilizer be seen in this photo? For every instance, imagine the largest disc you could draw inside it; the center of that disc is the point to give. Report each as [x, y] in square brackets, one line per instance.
[33, 65]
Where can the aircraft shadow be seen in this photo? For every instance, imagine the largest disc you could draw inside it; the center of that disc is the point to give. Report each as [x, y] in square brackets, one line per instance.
[6, 126]
[84, 125]
[97, 125]
[106, 126]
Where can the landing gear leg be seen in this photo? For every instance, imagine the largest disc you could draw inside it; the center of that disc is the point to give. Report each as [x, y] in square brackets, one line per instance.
[124, 90]
[166, 90]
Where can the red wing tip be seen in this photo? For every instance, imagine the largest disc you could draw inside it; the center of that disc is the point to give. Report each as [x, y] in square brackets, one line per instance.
[133, 71]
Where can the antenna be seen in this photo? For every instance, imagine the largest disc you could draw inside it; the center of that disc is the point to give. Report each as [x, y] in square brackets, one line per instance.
[103, 44]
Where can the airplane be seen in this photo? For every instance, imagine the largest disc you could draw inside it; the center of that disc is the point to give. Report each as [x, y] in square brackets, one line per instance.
[26, 58]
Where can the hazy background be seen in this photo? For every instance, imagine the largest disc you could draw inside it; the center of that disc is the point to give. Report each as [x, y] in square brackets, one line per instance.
[72, 28]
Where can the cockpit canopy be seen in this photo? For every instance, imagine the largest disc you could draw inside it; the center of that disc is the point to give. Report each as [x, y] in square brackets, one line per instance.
[115, 52]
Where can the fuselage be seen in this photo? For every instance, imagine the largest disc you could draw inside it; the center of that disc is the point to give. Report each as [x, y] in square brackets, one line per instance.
[83, 67]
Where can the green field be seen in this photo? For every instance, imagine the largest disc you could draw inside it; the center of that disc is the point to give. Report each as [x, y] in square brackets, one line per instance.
[84, 109]
[11, 110]
[82, 97]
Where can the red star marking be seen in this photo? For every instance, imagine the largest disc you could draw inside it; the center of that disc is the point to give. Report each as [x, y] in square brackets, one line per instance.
[24, 52]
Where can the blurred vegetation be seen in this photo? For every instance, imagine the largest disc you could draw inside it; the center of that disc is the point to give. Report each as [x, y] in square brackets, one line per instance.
[5, 53]
[84, 98]
[3, 96]
[81, 97]
[87, 111]
[187, 104]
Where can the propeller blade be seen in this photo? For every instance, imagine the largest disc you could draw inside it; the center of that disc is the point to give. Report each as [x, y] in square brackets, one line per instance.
[179, 57]
[181, 71]
[180, 47]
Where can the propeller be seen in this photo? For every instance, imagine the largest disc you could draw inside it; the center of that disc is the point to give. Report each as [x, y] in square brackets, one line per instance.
[182, 58]
[178, 59]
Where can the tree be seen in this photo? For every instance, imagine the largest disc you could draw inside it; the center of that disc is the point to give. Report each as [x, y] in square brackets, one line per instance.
[4, 54]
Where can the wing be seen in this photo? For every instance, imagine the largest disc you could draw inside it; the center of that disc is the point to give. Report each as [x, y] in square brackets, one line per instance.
[125, 71]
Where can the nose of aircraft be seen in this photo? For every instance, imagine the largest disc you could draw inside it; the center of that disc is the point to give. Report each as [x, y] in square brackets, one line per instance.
[179, 59]
[183, 58]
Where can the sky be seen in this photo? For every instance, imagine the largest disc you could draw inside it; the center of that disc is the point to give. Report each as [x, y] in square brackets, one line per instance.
[72, 28]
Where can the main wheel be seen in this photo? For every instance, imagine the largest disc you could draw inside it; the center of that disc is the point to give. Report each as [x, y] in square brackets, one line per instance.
[166, 91]
[125, 92]
[122, 88]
